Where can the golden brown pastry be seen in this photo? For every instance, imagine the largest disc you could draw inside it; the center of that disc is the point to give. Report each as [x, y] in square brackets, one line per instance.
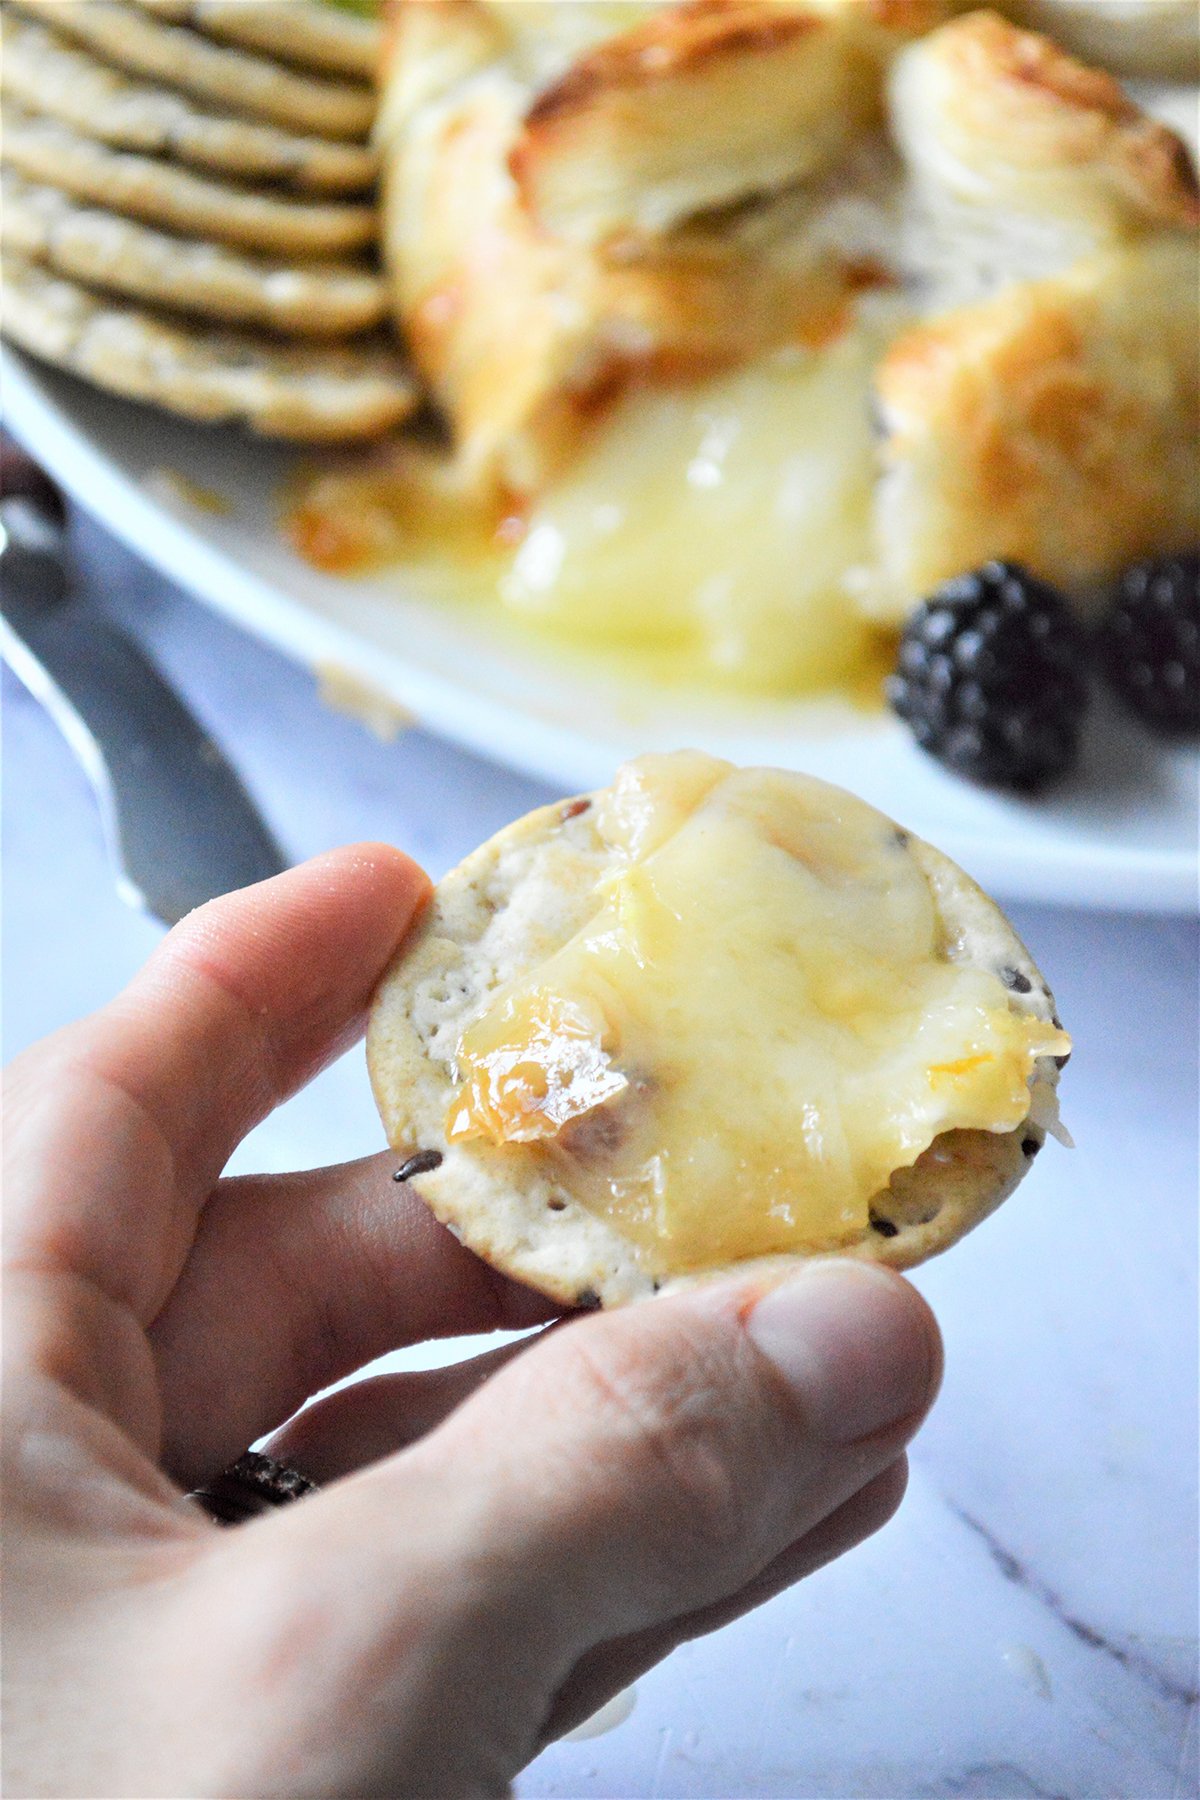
[549, 249]
[519, 332]
[1055, 424]
[696, 108]
[1004, 121]
[486, 306]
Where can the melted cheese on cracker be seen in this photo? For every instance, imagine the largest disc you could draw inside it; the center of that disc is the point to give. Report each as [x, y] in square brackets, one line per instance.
[759, 1023]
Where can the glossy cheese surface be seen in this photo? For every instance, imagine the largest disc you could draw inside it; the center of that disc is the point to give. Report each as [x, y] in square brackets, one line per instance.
[757, 1025]
[717, 519]
[708, 531]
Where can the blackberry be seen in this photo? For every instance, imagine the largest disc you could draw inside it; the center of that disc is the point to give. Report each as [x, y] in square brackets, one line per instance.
[988, 677]
[1150, 644]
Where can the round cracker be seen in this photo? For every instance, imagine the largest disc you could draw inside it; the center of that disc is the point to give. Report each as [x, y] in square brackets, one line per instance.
[316, 36]
[233, 79]
[161, 194]
[42, 72]
[308, 394]
[498, 915]
[107, 250]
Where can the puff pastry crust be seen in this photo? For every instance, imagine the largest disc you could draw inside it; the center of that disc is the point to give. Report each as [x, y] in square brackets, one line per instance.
[544, 38]
[429, 47]
[521, 331]
[561, 213]
[704, 103]
[683, 108]
[1055, 424]
[1003, 119]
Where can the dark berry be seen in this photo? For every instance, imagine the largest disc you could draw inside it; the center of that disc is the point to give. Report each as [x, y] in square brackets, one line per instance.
[988, 677]
[1150, 644]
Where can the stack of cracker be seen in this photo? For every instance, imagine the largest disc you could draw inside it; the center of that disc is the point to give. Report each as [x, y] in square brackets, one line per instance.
[189, 212]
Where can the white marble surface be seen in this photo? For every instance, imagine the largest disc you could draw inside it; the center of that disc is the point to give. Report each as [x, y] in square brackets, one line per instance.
[1027, 1624]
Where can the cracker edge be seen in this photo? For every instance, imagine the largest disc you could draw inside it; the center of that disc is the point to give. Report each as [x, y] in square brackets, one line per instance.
[982, 1171]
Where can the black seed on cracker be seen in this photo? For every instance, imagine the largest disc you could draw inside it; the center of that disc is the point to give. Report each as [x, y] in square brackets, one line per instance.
[884, 1227]
[556, 1203]
[421, 1164]
[1030, 1146]
[1015, 981]
[587, 1300]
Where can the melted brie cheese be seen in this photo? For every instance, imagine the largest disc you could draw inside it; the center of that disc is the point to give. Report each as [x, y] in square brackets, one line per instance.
[710, 530]
[718, 520]
[756, 1027]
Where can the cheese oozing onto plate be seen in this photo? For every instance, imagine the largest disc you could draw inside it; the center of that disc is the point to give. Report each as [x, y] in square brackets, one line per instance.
[757, 1025]
[717, 519]
[704, 528]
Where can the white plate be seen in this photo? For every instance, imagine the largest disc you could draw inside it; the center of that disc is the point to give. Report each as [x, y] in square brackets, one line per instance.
[1122, 834]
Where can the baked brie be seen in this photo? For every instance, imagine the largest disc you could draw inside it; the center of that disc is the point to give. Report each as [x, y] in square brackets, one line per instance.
[748, 319]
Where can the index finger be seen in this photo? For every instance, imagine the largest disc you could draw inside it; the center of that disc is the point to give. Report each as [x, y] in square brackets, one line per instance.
[119, 1126]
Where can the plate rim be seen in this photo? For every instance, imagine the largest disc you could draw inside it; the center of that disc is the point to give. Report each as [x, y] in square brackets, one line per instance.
[1117, 879]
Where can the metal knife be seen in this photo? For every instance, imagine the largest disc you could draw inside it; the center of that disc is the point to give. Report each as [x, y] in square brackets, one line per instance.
[179, 825]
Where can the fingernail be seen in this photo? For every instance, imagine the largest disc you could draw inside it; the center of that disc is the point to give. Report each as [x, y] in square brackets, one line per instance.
[855, 1345]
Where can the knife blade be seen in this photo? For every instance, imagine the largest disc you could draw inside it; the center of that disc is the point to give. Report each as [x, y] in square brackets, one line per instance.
[178, 822]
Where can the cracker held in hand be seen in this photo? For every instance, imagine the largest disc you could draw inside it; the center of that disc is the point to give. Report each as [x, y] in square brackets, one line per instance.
[710, 1019]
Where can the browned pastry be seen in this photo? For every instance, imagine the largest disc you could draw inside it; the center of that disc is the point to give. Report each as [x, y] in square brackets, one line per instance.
[547, 243]
[1003, 121]
[1055, 425]
[696, 108]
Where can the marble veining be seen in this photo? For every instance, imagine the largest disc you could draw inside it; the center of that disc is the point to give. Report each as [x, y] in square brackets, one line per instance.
[1135, 1661]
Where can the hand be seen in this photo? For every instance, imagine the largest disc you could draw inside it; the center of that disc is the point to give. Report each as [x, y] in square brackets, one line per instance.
[500, 1547]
